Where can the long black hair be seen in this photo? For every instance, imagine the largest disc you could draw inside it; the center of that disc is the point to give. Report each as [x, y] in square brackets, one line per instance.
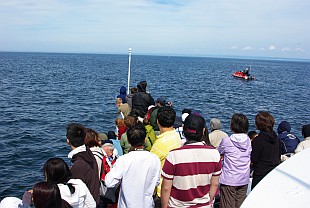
[57, 171]
[47, 195]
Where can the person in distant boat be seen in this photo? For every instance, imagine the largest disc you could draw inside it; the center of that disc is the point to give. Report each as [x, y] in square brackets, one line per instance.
[122, 94]
[141, 100]
[246, 71]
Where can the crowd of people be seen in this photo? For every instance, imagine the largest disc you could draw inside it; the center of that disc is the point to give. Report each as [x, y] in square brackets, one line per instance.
[155, 159]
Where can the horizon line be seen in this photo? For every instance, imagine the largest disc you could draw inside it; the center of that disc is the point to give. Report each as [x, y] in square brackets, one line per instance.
[172, 54]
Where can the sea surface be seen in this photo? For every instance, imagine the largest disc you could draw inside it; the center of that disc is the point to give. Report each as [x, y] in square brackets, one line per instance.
[40, 93]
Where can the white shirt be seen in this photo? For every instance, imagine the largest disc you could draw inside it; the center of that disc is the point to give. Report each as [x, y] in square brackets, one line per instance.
[81, 198]
[140, 174]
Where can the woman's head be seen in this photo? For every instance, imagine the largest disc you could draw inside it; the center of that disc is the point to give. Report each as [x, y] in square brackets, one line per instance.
[47, 195]
[239, 123]
[193, 127]
[56, 170]
[264, 121]
[91, 139]
[119, 122]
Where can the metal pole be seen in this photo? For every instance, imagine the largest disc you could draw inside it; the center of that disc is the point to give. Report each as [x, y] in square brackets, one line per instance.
[129, 70]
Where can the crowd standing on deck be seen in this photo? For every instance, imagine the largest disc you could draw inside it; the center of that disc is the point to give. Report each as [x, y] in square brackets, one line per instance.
[156, 159]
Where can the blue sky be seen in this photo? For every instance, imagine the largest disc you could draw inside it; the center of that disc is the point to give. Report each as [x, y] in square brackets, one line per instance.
[260, 28]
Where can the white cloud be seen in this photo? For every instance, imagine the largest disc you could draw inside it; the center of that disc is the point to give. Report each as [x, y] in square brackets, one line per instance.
[248, 48]
[272, 48]
[233, 47]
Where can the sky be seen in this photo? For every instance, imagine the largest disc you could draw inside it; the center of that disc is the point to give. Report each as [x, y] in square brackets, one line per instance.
[217, 28]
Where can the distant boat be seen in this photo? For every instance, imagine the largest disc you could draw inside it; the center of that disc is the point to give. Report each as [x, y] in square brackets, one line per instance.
[245, 74]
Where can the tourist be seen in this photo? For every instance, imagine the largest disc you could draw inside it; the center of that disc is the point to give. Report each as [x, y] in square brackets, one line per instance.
[266, 151]
[133, 90]
[150, 135]
[117, 144]
[191, 173]
[122, 94]
[123, 109]
[216, 134]
[160, 102]
[179, 129]
[74, 191]
[306, 143]
[139, 172]
[252, 135]
[141, 100]
[108, 161]
[288, 140]
[236, 151]
[101, 137]
[168, 139]
[121, 127]
[47, 195]
[129, 122]
[92, 141]
[84, 165]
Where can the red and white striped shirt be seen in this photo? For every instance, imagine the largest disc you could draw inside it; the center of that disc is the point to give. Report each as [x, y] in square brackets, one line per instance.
[191, 168]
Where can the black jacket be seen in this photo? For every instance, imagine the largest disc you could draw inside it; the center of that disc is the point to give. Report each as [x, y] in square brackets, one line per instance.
[141, 100]
[265, 154]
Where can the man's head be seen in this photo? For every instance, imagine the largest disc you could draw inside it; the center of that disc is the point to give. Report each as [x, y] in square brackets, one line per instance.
[108, 147]
[142, 86]
[166, 116]
[284, 126]
[161, 101]
[76, 134]
[136, 135]
[193, 127]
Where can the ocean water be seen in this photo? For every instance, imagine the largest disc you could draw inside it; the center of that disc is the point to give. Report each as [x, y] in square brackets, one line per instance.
[41, 93]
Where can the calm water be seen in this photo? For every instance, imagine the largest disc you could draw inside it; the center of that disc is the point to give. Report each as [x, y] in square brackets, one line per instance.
[42, 93]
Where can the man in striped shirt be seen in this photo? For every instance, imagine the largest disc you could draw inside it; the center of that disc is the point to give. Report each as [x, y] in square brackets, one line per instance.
[191, 173]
